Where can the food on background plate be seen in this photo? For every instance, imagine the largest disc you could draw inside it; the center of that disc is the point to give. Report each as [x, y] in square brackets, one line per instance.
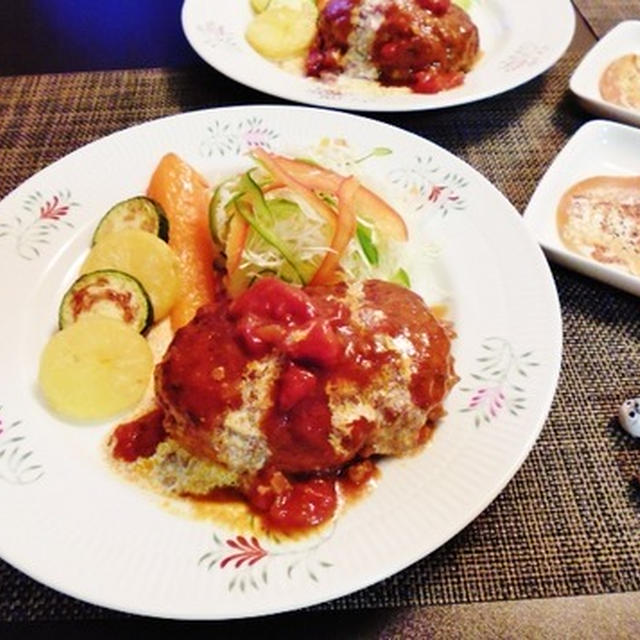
[425, 45]
[620, 82]
[299, 356]
[282, 29]
[599, 218]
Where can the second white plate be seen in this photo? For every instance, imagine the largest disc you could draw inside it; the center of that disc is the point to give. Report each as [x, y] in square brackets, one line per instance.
[519, 40]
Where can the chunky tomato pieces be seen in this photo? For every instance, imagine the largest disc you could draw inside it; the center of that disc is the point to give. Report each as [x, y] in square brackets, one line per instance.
[139, 438]
[294, 505]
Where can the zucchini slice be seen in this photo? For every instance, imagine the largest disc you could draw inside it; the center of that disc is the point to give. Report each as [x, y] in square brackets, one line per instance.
[145, 257]
[109, 293]
[139, 212]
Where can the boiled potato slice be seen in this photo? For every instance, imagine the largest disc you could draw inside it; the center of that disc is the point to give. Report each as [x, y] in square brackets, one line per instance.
[280, 32]
[297, 5]
[145, 257]
[260, 5]
[95, 368]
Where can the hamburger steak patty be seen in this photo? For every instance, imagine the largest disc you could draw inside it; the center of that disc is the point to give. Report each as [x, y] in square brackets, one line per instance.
[427, 45]
[306, 380]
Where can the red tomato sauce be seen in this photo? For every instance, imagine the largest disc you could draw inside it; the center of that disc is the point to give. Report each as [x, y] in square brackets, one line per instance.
[318, 345]
[139, 438]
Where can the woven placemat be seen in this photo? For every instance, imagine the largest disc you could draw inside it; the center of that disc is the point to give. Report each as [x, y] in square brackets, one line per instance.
[567, 524]
[602, 16]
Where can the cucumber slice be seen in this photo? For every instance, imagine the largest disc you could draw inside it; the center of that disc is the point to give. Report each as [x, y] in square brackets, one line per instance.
[139, 212]
[221, 210]
[254, 209]
[110, 293]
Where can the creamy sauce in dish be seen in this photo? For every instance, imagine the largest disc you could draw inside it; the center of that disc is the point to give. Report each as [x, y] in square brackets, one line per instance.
[620, 82]
[599, 218]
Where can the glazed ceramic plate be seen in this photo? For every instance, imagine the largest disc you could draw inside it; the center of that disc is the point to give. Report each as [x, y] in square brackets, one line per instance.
[519, 40]
[598, 148]
[71, 522]
[622, 40]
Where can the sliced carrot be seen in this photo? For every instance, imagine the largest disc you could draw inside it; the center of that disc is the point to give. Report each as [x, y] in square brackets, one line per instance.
[184, 196]
[236, 281]
[367, 204]
[283, 177]
[345, 229]
[236, 240]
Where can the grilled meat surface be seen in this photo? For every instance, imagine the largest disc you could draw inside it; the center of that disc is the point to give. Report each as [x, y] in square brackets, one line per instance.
[427, 45]
[306, 380]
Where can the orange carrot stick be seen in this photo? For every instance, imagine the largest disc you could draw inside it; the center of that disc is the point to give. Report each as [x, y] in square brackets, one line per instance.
[236, 240]
[282, 176]
[370, 206]
[345, 228]
[184, 196]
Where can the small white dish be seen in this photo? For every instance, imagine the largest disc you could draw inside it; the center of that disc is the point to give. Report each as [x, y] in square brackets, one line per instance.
[585, 80]
[598, 148]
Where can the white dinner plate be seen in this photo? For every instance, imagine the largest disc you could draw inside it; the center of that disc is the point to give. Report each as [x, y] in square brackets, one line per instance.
[598, 148]
[623, 39]
[72, 523]
[519, 40]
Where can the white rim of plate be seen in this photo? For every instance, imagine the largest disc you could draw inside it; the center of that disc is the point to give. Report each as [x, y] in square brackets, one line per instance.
[509, 292]
[522, 40]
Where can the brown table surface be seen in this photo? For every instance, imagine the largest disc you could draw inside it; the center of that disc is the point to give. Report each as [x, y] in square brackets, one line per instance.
[563, 536]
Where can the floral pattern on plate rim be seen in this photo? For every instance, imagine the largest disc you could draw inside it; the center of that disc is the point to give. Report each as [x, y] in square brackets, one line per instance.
[528, 54]
[253, 563]
[224, 139]
[430, 185]
[18, 465]
[215, 35]
[40, 216]
[498, 382]
[427, 183]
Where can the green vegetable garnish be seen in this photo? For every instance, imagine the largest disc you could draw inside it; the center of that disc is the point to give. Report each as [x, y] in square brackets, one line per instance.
[253, 207]
[378, 151]
[464, 4]
[368, 247]
[401, 277]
